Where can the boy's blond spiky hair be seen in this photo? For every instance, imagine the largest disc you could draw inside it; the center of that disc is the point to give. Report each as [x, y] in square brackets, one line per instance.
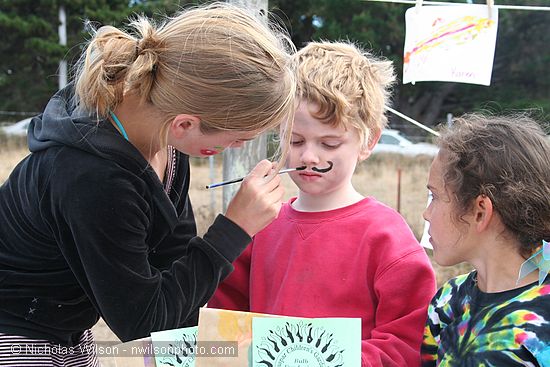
[351, 86]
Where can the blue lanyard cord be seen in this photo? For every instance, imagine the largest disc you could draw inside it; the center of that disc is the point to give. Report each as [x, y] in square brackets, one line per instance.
[119, 124]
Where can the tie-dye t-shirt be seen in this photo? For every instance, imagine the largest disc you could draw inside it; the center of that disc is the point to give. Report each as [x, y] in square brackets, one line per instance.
[467, 327]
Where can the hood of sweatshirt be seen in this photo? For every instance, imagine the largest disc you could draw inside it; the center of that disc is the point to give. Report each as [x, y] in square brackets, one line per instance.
[64, 124]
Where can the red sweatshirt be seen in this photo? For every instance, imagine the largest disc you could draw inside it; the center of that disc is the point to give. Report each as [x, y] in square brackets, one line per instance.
[358, 261]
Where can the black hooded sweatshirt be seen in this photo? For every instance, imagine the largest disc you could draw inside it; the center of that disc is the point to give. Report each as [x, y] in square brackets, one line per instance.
[87, 229]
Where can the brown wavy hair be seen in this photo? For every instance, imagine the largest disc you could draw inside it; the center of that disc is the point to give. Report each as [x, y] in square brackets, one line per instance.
[506, 158]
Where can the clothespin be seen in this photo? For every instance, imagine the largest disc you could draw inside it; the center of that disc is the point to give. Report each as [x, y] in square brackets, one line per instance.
[418, 6]
[490, 4]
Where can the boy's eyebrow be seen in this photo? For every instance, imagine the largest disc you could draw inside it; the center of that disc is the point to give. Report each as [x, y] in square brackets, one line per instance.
[322, 136]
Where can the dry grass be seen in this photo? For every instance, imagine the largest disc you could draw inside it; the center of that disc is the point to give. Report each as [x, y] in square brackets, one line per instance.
[378, 177]
[9, 159]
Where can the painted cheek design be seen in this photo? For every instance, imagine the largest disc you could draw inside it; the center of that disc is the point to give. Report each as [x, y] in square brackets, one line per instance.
[209, 152]
[324, 170]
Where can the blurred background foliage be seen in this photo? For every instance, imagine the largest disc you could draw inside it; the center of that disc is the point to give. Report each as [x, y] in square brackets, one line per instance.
[30, 51]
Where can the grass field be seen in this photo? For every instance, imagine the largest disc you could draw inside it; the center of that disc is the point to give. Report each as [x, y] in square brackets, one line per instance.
[378, 177]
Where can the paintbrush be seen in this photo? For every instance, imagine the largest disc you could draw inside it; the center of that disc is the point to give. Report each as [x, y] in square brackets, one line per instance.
[235, 180]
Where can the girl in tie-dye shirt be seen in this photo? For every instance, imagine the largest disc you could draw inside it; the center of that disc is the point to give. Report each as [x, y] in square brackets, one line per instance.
[490, 207]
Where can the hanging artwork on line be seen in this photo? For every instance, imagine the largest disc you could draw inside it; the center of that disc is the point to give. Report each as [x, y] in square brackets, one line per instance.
[454, 43]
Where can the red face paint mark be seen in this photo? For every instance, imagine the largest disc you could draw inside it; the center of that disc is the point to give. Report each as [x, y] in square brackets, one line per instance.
[209, 152]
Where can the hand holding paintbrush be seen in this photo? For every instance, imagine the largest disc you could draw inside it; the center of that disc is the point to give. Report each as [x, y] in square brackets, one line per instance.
[258, 200]
[229, 182]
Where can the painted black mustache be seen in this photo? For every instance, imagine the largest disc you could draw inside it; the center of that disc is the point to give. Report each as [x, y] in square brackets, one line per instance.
[323, 170]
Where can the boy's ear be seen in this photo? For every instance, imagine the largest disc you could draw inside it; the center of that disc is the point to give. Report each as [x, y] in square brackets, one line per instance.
[366, 150]
[183, 124]
[483, 212]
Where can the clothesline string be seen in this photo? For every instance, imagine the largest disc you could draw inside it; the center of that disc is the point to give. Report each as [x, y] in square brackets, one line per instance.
[412, 121]
[508, 7]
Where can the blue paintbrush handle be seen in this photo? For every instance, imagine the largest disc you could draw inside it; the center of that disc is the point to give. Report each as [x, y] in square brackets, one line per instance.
[235, 180]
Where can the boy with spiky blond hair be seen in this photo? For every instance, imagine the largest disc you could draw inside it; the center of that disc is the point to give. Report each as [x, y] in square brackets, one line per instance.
[333, 252]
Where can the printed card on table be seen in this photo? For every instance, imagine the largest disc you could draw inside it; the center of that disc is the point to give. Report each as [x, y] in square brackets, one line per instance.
[220, 327]
[300, 342]
[454, 43]
[175, 348]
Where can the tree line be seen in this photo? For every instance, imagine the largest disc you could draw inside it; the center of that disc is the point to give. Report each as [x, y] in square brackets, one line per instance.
[30, 51]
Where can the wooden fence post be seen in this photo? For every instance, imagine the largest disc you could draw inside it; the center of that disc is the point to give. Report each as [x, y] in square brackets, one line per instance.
[238, 162]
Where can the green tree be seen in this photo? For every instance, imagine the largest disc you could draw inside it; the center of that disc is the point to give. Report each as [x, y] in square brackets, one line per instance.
[30, 51]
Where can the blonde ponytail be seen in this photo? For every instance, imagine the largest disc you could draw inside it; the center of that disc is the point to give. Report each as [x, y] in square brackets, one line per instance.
[141, 74]
[102, 70]
[218, 62]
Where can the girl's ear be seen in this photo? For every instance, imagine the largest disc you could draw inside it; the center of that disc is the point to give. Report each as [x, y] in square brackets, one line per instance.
[184, 124]
[483, 212]
[366, 150]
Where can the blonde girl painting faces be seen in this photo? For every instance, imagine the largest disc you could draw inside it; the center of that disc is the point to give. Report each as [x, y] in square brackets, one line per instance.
[97, 222]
